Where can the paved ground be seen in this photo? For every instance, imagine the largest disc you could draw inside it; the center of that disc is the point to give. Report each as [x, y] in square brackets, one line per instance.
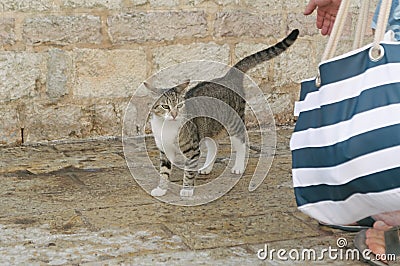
[77, 203]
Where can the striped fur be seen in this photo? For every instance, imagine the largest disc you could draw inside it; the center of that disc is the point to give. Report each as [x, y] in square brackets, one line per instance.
[267, 54]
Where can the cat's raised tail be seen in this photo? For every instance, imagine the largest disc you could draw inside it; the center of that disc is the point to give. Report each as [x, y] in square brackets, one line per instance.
[252, 60]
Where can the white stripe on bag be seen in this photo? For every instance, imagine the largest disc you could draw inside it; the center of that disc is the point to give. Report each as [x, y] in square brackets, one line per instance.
[343, 173]
[355, 208]
[345, 89]
[360, 123]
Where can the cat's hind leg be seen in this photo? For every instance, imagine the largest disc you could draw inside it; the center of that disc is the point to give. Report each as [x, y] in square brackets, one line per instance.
[165, 172]
[239, 146]
[212, 149]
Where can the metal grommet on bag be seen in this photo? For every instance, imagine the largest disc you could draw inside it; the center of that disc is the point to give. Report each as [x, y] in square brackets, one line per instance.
[381, 53]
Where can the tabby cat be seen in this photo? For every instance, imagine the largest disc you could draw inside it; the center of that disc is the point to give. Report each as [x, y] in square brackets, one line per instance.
[170, 113]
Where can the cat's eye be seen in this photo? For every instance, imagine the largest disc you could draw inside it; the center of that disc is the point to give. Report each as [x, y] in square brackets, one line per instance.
[165, 106]
[179, 105]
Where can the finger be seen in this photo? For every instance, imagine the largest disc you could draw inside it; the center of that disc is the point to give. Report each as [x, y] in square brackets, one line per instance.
[324, 23]
[311, 6]
[320, 18]
[332, 20]
[327, 24]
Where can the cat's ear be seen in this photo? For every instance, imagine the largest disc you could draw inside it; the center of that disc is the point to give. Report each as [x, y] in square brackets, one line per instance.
[181, 87]
[151, 88]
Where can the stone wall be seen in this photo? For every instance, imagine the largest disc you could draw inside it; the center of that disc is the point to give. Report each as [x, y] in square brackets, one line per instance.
[69, 67]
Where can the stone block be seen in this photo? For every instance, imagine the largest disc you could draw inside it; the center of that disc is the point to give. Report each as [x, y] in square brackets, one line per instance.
[305, 24]
[197, 62]
[21, 74]
[139, 2]
[170, 55]
[47, 121]
[157, 26]
[265, 5]
[7, 31]
[62, 30]
[344, 47]
[246, 24]
[215, 2]
[318, 47]
[108, 73]
[107, 119]
[55, 122]
[164, 3]
[296, 64]
[10, 131]
[259, 73]
[282, 105]
[156, 3]
[27, 6]
[59, 68]
[106, 4]
[294, 5]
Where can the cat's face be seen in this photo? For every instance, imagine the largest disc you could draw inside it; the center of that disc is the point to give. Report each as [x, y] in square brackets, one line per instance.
[170, 104]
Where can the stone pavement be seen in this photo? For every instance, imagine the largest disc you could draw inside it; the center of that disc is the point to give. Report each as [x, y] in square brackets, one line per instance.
[77, 203]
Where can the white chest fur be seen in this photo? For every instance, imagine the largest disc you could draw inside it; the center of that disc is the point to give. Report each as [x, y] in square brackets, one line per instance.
[166, 134]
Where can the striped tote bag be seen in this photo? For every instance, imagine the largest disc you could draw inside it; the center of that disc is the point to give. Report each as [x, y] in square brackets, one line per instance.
[346, 143]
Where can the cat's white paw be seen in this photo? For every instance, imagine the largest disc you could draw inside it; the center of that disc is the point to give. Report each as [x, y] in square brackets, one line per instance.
[187, 192]
[158, 192]
[237, 170]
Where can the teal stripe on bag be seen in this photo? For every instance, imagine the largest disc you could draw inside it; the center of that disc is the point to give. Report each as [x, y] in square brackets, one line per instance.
[341, 152]
[368, 100]
[374, 183]
[356, 64]
[307, 87]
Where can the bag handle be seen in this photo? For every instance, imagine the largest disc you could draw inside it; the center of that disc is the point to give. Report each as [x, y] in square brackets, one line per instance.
[381, 25]
[336, 30]
[376, 52]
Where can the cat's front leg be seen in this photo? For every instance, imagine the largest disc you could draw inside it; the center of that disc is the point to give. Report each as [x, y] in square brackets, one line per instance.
[190, 174]
[191, 151]
[165, 172]
[188, 184]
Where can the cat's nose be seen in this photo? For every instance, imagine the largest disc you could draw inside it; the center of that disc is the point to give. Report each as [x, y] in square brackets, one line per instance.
[174, 114]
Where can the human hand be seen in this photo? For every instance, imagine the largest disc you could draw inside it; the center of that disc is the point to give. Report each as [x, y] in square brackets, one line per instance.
[326, 13]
